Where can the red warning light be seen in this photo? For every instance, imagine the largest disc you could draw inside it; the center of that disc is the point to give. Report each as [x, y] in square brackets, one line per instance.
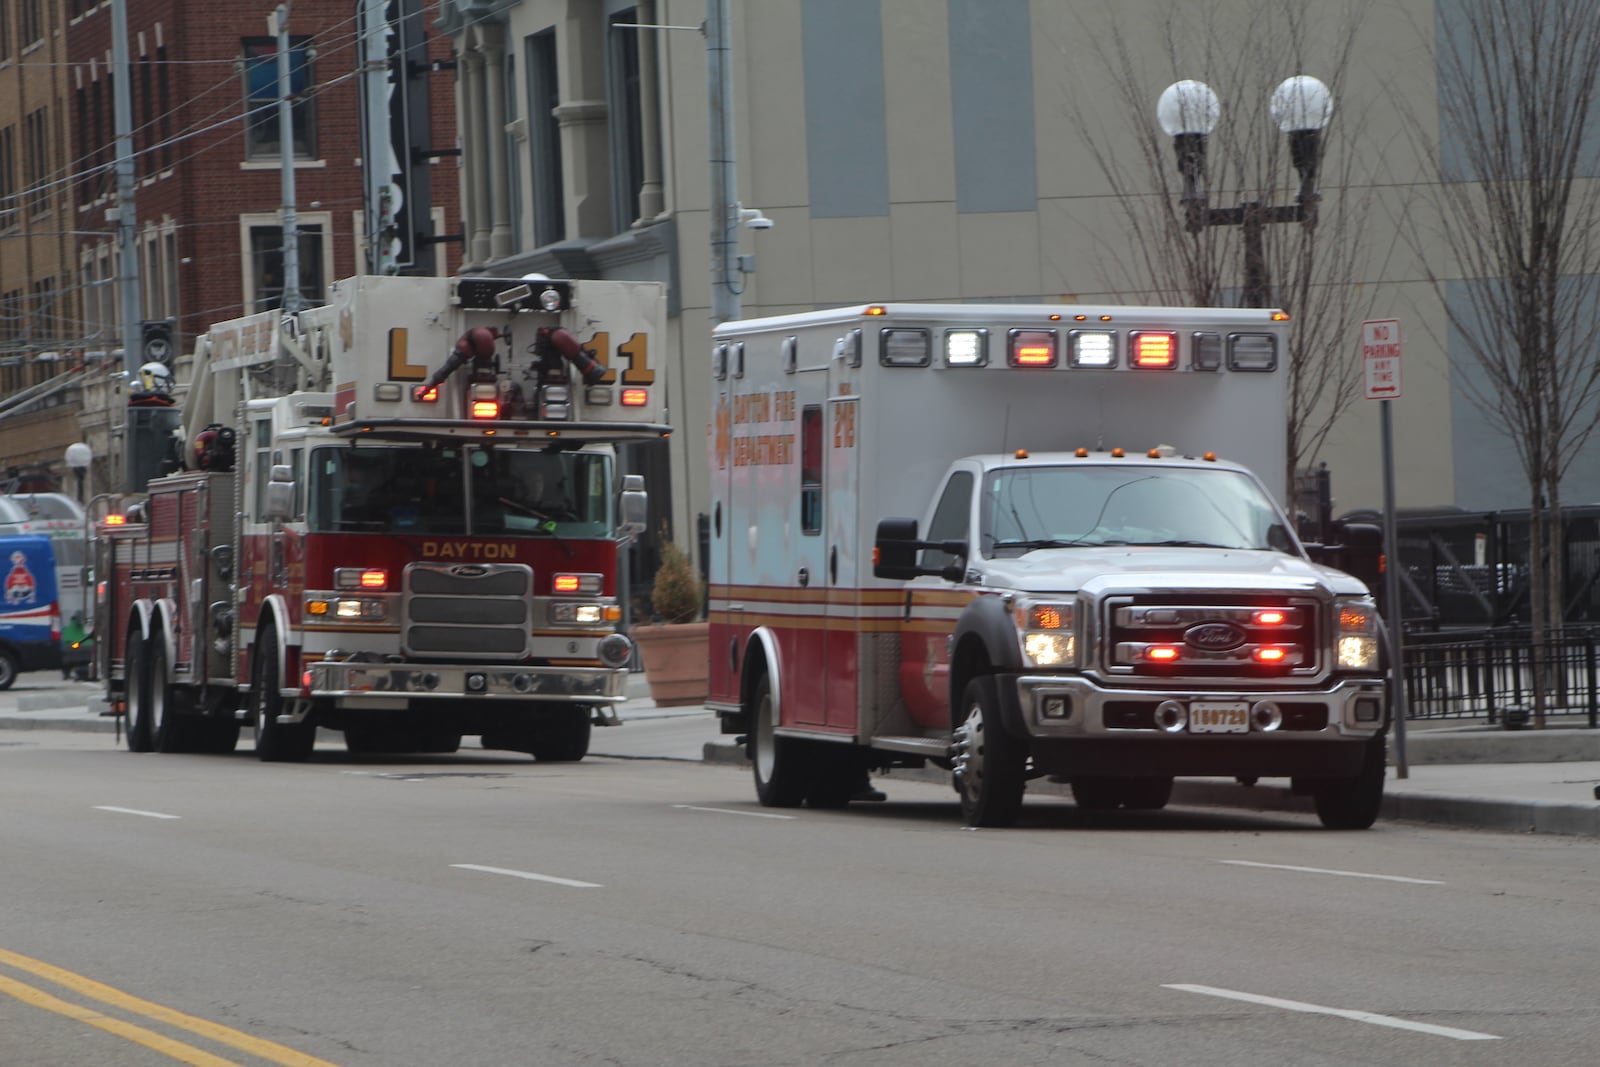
[427, 395]
[635, 398]
[1157, 351]
[1161, 653]
[374, 579]
[485, 409]
[1271, 617]
[1271, 654]
[1033, 348]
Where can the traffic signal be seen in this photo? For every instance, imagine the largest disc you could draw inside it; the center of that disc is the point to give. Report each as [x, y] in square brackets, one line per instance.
[158, 337]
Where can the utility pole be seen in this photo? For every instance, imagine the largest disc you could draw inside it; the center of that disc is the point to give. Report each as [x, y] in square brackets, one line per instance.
[291, 222]
[127, 210]
[726, 284]
[127, 245]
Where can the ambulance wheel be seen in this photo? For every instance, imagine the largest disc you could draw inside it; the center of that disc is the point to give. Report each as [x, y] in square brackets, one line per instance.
[137, 692]
[1353, 803]
[9, 667]
[171, 731]
[991, 765]
[779, 763]
[562, 736]
[276, 742]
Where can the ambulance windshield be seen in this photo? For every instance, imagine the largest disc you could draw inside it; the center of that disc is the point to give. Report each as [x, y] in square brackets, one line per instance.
[471, 490]
[1029, 508]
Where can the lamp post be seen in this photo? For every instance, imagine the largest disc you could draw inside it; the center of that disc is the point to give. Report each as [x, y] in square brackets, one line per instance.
[78, 457]
[1302, 107]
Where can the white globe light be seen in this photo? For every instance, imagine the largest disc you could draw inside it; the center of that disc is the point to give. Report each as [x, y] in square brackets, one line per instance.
[1301, 103]
[79, 456]
[1188, 107]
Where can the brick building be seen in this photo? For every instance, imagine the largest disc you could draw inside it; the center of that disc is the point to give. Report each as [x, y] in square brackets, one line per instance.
[209, 173]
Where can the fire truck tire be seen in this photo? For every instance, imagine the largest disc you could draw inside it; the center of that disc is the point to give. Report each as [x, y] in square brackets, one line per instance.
[1354, 803]
[9, 666]
[782, 772]
[137, 692]
[171, 730]
[562, 736]
[276, 742]
[991, 765]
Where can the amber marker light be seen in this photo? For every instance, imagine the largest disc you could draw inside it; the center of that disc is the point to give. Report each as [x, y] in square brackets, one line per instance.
[876, 309]
[116, 520]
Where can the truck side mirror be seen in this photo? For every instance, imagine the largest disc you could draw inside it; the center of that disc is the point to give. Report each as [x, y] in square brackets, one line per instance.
[280, 494]
[635, 506]
[894, 552]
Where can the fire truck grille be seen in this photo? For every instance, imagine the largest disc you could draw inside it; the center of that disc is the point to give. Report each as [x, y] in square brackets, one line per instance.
[1212, 636]
[468, 610]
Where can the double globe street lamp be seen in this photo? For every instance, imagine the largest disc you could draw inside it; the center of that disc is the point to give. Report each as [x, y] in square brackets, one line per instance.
[1302, 106]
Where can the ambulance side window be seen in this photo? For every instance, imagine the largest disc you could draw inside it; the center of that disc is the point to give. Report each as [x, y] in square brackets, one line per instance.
[950, 519]
[811, 469]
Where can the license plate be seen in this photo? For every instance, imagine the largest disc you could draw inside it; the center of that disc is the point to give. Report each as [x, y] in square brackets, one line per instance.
[1216, 717]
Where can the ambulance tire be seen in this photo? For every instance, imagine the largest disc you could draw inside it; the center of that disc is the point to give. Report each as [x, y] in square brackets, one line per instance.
[137, 691]
[1353, 803]
[994, 772]
[171, 730]
[780, 764]
[10, 667]
[276, 742]
[562, 736]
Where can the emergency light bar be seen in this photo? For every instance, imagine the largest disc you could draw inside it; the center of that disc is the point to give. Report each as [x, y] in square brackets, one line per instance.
[1092, 348]
[966, 348]
[1153, 351]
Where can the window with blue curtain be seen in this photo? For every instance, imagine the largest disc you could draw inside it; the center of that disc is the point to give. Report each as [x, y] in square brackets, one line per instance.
[261, 99]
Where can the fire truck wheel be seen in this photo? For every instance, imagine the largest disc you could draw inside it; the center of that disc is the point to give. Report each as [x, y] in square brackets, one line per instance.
[276, 742]
[170, 730]
[779, 763]
[562, 736]
[8, 668]
[991, 765]
[137, 691]
[1353, 803]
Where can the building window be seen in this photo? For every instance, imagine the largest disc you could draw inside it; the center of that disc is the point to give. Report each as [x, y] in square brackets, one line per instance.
[627, 130]
[261, 99]
[37, 133]
[32, 26]
[544, 140]
[164, 105]
[8, 178]
[42, 326]
[146, 161]
[264, 289]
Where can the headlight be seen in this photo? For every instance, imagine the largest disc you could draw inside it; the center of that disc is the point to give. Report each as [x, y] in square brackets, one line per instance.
[1355, 627]
[1047, 633]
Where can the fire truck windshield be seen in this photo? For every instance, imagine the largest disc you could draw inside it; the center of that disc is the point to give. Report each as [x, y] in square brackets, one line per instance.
[1028, 508]
[472, 490]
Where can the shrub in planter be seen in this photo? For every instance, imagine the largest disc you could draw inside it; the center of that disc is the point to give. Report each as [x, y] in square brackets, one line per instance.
[678, 594]
[675, 653]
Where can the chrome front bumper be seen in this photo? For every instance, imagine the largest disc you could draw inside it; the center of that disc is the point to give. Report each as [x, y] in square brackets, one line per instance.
[358, 684]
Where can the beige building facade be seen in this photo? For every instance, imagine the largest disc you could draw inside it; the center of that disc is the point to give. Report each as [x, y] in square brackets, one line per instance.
[963, 150]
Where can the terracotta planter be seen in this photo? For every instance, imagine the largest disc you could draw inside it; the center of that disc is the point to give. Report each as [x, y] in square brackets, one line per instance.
[675, 661]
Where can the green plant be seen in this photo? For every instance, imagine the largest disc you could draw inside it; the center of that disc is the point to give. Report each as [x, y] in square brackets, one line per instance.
[678, 593]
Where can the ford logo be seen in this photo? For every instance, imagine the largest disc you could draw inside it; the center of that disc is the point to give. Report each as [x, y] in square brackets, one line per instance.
[1215, 636]
[469, 570]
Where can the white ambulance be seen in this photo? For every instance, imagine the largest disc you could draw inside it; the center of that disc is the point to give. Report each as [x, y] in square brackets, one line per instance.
[1001, 539]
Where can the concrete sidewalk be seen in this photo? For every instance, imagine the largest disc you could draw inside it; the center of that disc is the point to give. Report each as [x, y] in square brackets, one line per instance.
[1469, 775]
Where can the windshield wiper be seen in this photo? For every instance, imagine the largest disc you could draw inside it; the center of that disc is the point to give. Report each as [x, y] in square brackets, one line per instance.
[1181, 544]
[1031, 545]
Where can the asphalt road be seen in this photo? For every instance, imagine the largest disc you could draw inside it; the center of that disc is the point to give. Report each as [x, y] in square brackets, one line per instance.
[481, 909]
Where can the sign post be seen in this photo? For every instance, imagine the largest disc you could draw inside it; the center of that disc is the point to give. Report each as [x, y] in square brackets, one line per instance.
[1380, 360]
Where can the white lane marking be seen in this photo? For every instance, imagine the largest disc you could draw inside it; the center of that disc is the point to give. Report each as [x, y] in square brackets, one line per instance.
[529, 875]
[135, 811]
[731, 811]
[1324, 870]
[1343, 1013]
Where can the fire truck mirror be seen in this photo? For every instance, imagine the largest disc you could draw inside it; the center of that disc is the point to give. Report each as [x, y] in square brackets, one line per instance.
[895, 549]
[280, 495]
[635, 505]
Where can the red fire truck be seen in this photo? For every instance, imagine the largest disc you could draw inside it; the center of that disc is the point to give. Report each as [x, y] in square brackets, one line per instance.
[1096, 597]
[399, 518]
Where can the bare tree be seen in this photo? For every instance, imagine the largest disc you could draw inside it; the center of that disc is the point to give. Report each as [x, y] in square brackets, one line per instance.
[1308, 264]
[1520, 208]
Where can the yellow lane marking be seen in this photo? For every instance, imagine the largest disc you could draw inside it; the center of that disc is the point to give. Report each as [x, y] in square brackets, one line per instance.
[88, 987]
[137, 1034]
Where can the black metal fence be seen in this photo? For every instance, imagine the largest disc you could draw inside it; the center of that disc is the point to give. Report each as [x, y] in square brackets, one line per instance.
[1484, 675]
